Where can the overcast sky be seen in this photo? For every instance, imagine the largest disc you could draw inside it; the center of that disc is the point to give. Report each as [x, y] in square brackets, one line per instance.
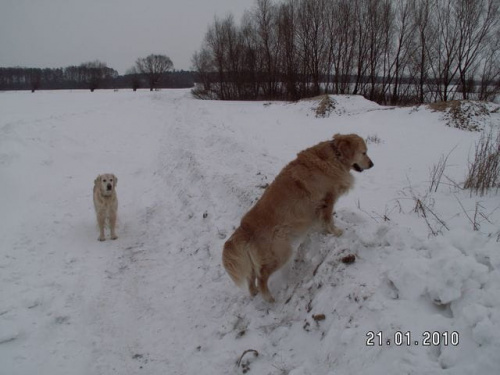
[59, 33]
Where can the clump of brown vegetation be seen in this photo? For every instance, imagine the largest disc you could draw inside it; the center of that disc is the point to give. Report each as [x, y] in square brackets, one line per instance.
[325, 107]
[484, 169]
[465, 115]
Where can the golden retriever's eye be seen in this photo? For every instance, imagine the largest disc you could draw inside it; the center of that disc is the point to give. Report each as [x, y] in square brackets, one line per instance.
[364, 153]
[104, 180]
[111, 180]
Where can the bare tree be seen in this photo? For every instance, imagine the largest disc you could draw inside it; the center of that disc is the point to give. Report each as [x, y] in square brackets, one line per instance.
[397, 51]
[444, 64]
[35, 77]
[251, 60]
[93, 73]
[404, 32]
[287, 24]
[312, 35]
[384, 79]
[342, 30]
[134, 78]
[233, 49]
[378, 28]
[362, 44]
[214, 46]
[424, 38]
[489, 84]
[267, 41]
[220, 42]
[476, 19]
[203, 65]
[154, 67]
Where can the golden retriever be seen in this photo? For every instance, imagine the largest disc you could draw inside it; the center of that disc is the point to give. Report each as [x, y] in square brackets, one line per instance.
[106, 203]
[300, 198]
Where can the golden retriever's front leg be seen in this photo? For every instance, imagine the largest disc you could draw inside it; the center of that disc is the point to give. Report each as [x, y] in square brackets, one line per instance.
[326, 216]
[101, 220]
[112, 225]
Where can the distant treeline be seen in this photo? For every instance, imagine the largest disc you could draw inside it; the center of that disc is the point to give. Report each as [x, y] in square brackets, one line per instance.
[396, 52]
[90, 76]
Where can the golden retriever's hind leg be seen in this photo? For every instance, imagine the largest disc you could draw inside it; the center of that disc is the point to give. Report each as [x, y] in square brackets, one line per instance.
[252, 288]
[332, 229]
[112, 225]
[265, 272]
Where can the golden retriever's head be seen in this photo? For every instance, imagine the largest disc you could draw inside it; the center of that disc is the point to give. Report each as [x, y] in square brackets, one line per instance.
[106, 184]
[352, 149]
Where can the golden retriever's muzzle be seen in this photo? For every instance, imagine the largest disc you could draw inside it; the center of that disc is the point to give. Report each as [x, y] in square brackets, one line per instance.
[357, 168]
[109, 187]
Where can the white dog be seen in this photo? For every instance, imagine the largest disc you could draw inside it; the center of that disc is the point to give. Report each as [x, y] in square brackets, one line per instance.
[106, 203]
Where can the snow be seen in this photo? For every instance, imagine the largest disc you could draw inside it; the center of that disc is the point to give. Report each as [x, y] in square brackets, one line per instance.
[158, 301]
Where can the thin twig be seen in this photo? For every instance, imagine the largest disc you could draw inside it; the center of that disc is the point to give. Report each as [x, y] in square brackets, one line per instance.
[255, 352]
[438, 219]
[473, 222]
[359, 208]
[437, 171]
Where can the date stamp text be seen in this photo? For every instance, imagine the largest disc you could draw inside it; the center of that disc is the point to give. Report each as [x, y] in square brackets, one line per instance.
[400, 338]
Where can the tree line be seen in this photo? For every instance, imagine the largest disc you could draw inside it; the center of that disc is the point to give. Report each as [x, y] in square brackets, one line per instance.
[153, 71]
[393, 52]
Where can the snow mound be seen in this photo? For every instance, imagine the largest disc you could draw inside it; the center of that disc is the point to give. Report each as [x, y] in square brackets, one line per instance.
[324, 106]
[466, 114]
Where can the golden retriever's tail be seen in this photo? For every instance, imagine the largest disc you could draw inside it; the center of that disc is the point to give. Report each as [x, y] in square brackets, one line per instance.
[236, 258]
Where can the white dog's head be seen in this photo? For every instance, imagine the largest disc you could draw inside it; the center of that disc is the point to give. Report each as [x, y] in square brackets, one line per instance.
[106, 184]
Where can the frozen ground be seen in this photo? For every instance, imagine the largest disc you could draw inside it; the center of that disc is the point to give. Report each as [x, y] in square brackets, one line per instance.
[157, 300]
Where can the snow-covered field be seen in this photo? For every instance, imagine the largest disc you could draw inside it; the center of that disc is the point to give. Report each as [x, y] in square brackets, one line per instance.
[157, 300]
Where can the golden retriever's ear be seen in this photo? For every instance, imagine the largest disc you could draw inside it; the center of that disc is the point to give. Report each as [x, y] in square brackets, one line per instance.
[115, 179]
[97, 180]
[345, 146]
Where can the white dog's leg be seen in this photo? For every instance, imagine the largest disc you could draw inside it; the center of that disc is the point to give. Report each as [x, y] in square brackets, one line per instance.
[112, 225]
[101, 219]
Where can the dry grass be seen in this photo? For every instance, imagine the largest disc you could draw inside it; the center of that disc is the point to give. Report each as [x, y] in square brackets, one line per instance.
[484, 169]
[444, 106]
[478, 216]
[374, 138]
[423, 209]
[437, 172]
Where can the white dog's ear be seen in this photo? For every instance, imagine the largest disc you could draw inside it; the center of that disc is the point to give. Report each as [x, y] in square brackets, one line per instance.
[115, 179]
[97, 180]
